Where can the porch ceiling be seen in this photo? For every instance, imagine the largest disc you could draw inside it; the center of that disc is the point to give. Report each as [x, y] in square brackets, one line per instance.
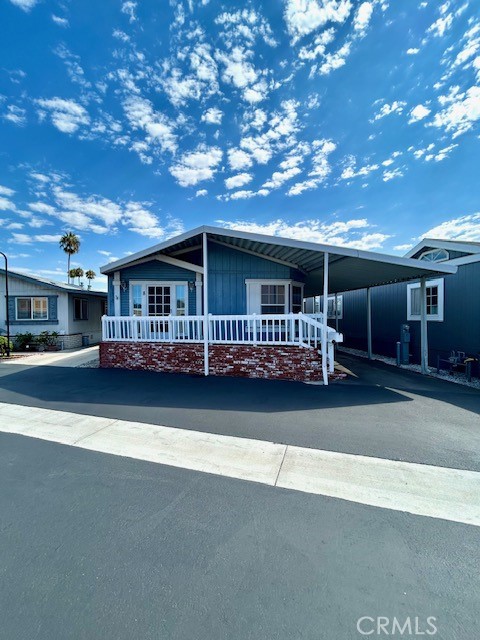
[349, 269]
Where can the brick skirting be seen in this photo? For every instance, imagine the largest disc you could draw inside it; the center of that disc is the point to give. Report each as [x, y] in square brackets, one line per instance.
[248, 361]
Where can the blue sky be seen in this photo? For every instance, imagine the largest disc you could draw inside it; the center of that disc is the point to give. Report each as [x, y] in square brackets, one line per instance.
[352, 123]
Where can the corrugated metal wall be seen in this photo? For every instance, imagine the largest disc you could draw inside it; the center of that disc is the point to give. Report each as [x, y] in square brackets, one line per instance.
[460, 329]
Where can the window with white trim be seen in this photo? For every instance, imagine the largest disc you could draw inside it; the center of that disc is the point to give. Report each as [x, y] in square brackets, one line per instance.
[31, 308]
[272, 298]
[434, 255]
[154, 298]
[434, 300]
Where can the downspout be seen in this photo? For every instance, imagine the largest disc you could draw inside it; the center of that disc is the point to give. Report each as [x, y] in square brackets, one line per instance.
[325, 314]
[205, 302]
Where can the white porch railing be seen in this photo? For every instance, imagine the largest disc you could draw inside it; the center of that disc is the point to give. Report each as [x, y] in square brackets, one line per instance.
[282, 329]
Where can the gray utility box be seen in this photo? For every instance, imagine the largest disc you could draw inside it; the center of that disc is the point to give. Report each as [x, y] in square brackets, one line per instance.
[403, 347]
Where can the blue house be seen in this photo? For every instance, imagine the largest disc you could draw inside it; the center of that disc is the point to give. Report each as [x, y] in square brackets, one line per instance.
[452, 306]
[221, 302]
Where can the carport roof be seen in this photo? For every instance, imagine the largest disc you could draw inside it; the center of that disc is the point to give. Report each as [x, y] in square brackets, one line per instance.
[349, 269]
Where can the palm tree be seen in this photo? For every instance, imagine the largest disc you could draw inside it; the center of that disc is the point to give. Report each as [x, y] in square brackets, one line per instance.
[72, 274]
[79, 274]
[90, 275]
[70, 243]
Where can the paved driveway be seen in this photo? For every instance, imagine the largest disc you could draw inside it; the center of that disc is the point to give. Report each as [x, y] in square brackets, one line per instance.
[379, 411]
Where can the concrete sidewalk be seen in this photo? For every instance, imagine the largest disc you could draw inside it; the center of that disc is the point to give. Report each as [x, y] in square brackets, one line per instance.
[66, 358]
[438, 492]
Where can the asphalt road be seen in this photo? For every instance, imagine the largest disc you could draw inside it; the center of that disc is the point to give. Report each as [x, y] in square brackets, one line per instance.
[382, 412]
[98, 546]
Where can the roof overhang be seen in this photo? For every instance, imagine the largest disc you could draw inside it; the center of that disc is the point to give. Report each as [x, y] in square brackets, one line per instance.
[349, 269]
[435, 243]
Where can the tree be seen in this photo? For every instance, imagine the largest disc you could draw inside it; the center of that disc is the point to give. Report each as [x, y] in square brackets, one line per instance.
[72, 274]
[90, 275]
[79, 274]
[70, 243]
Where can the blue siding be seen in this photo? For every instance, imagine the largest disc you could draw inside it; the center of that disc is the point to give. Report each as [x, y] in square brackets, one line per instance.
[227, 271]
[460, 329]
[153, 270]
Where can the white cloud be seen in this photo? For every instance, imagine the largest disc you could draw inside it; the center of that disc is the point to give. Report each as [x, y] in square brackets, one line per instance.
[403, 247]
[335, 60]
[26, 5]
[413, 51]
[23, 238]
[319, 45]
[6, 204]
[351, 233]
[396, 106]
[418, 113]
[239, 159]
[6, 191]
[440, 26]
[66, 115]
[61, 22]
[200, 193]
[390, 175]
[195, 166]
[279, 177]
[461, 112]
[129, 8]
[320, 167]
[238, 181]
[362, 17]
[304, 16]
[350, 170]
[15, 115]
[158, 127]
[212, 116]
[462, 228]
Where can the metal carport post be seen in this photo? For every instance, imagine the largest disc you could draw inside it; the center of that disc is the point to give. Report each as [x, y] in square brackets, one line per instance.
[423, 326]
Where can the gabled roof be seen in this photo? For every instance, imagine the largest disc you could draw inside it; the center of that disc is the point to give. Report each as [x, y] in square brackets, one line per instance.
[437, 243]
[348, 268]
[52, 284]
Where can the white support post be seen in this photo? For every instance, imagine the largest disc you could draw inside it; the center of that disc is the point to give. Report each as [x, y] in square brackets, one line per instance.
[423, 326]
[369, 323]
[116, 293]
[336, 313]
[325, 314]
[205, 303]
[198, 293]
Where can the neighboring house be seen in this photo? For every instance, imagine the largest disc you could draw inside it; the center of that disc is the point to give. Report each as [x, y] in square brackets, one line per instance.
[453, 306]
[37, 304]
[222, 302]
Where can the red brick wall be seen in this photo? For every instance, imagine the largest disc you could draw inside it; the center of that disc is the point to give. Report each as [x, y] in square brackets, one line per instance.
[278, 363]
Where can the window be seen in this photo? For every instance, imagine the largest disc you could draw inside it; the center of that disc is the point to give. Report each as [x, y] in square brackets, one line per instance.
[159, 301]
[272, 298]
[434, 300]
[318, 307]
[297, 298]
[434, 255]
[181, 299]
[32, 308]
[80, 309]
[136, 293]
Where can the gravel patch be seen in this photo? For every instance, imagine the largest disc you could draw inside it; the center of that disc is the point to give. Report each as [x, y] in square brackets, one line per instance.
[457, 378]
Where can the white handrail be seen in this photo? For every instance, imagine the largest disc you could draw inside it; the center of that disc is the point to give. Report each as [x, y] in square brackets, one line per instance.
[267, 329]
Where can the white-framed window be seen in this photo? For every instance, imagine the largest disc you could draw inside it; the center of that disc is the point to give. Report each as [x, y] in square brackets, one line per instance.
[153, 298]
[434, 255]
[274, 296]
[80, 309]
[434, 299]
[31, 308]
[331, 315]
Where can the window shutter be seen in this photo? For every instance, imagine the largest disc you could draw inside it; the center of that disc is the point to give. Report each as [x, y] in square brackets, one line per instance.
[53, 308]
[11, 308]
